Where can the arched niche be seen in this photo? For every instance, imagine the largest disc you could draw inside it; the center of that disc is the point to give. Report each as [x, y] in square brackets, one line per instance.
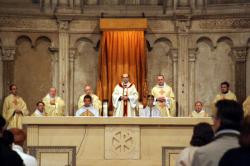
[32, 69]
[160, 62]
[85, 66]
[213, 66]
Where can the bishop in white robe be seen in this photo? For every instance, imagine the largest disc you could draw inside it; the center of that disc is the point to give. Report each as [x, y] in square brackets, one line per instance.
[125, 98]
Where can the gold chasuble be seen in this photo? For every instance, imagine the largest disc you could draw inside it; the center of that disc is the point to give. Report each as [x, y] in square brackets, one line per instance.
[167, 108]
[54, 106]
[12, 103]
[228, 96]
[246, 106]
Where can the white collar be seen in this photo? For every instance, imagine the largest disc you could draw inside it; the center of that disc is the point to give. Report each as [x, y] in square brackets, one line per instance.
[17, 147]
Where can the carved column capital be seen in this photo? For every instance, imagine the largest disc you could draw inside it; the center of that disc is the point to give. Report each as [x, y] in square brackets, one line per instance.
[63, 25]
[239, 54]
[8, 53]
[192, 55]
[174, 53]
[72, 54]
[183, 25]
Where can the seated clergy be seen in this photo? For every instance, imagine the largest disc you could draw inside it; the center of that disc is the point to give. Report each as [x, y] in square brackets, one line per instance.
[150, 110]
[97, 104]
[54, 105]
[198, 111]
[39, 109]
[87, 109]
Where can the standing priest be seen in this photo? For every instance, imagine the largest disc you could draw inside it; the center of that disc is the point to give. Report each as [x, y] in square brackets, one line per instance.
[164, 97]
[125, 98]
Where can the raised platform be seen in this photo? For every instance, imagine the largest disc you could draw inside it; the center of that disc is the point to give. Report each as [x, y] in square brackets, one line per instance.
[87, 141]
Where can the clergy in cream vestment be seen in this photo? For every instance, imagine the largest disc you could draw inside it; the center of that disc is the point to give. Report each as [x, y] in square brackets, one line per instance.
[54, 105]
[164, 97]
[14, 108]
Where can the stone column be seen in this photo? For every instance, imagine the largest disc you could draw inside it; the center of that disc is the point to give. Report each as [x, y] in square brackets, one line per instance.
[182, 38]
[240, 56]
[72, 53]
[191, 59]
[174, 54]
[55, 67]
[63, 88]
[8, 68]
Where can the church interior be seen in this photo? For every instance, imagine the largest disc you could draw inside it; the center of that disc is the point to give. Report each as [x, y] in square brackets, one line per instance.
[68, 44]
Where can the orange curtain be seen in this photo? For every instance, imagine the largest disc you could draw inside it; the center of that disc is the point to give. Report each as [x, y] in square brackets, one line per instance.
[121, 52]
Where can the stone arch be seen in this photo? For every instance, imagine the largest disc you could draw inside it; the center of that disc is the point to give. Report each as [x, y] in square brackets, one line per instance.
[164, 40]
[42, 38]
[24, 38]
[225, 39]
[205, 40]
[83, 39]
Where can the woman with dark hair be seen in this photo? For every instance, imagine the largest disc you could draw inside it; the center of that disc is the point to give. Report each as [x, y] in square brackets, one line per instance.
[239, 156]
[202, 135]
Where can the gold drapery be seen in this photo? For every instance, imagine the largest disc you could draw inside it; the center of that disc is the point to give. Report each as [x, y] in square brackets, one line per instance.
[121, 52]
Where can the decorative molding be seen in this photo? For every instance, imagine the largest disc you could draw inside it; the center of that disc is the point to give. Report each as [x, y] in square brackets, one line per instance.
[122, 142]
[229, 23]
[166, 155]
[27, 23]
[37, 152]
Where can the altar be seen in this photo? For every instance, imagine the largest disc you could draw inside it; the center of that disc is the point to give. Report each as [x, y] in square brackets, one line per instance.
[108, 141]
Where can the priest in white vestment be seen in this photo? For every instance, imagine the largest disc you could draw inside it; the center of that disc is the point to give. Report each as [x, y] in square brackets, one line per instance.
[164, 97]
[39, 109]
[87, 109]
[125, 98]
[150, 110]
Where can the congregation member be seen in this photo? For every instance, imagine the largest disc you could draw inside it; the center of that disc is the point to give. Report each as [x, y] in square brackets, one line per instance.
[150, 110]
[239, 156]
[8, 157]
[14, 108]
[39, 109]
[87, 109]
[202, 135]
[97, 104]
[164, 97]
[227, 123]
[19, 139]
[54, 105]
[125, 98]
[198, 111]
[246, 106]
